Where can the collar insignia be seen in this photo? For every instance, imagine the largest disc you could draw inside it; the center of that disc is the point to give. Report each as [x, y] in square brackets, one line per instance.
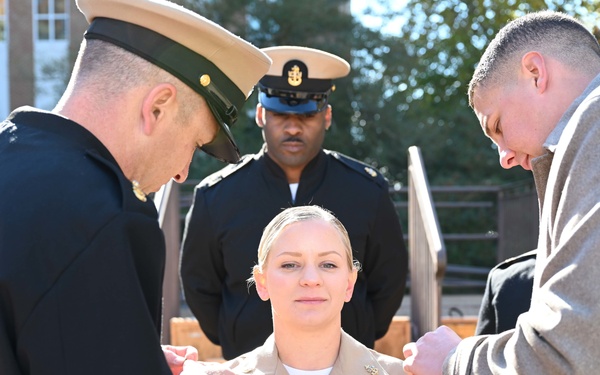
[371, 172]
[139, 193]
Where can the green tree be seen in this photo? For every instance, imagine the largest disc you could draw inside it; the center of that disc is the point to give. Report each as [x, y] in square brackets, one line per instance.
[326, 25]
[404, 89]
[447, 39]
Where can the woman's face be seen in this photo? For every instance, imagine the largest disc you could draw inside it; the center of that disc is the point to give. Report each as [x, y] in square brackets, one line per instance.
[306, 275]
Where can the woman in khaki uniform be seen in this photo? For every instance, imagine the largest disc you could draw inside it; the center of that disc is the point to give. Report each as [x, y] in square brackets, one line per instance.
[305, 268]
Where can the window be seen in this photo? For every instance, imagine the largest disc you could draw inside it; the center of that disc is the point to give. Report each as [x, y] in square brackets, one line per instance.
[51, 18]
[2, 21]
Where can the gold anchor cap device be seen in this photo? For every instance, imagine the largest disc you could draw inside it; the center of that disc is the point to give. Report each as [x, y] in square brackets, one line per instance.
[300, 79]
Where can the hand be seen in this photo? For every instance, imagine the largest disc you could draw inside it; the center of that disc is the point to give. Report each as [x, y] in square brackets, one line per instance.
[205, 368]
[427, 355]
[177, 355]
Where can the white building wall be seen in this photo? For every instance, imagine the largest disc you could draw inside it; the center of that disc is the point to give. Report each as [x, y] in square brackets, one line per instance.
[50, 65]
[4, 83]
[50, 50]
[4, 99]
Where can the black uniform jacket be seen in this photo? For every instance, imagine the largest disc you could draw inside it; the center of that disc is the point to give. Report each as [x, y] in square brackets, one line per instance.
[223, 228]
[81, 258]
[507, 294]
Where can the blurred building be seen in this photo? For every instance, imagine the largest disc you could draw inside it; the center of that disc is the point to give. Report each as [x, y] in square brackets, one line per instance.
[39, 40]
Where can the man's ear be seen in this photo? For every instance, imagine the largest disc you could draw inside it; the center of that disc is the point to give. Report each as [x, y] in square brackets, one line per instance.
[328, 117]
[533, 67]
[259, 115]
[156, 104]
[260, 281]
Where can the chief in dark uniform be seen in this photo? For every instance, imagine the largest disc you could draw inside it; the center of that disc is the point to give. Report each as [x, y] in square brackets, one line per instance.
[232, 207]
[81, 252]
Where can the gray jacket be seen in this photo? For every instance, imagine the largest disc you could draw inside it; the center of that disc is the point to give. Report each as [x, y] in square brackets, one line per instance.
[561, 331]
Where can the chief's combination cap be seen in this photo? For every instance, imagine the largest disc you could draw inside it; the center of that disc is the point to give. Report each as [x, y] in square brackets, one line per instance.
[218, 65]
[300, 79]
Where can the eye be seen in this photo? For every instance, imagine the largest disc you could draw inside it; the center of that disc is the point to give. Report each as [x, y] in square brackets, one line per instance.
[289, 265]
[497, 128]
[329, 265]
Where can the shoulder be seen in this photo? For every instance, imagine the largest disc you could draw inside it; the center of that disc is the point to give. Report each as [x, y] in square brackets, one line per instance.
[523, 260]
[353, 355]
[228, 171]
[518, 269]
[256, 361]
[360, 168]
[392, 365]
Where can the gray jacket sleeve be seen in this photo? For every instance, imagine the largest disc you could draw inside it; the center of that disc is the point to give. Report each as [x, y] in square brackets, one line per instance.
[559, 334]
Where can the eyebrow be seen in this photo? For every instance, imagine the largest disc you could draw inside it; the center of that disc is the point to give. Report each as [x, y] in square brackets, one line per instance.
[298, 254]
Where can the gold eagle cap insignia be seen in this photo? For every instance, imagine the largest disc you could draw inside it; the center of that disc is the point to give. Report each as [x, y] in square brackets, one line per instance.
[371, 172]
[295, 76]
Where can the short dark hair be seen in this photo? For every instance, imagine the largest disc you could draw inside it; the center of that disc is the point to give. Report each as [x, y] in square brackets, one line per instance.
[552, 33]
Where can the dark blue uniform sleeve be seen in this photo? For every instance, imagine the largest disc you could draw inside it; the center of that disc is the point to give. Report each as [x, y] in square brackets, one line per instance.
[385, 264]
[486, 320]
[202, 268]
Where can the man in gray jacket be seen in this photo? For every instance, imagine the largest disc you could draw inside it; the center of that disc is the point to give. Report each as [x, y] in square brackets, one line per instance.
[536, 93]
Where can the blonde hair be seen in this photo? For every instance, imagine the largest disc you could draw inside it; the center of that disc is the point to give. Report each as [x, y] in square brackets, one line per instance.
[294, 215]
[551, 33]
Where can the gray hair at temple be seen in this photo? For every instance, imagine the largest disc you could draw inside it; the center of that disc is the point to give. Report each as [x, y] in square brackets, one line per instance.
[554, 34]
[294, 215]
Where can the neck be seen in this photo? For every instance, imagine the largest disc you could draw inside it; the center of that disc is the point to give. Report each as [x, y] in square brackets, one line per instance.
[303, 349]
[292, 174]
[105, 122]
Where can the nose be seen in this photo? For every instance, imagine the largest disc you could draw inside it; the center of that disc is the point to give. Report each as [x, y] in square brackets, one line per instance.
[292, 125]
[310, 276]
[182, 175]
[507, 157]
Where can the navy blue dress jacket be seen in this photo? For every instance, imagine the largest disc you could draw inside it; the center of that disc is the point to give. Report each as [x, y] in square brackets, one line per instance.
[81, 258]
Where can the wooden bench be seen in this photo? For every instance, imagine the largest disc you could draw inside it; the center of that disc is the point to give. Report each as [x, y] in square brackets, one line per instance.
[186, 331]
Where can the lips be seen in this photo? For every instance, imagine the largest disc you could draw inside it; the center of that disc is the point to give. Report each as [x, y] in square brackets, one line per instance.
[293, 145]
[311, 300]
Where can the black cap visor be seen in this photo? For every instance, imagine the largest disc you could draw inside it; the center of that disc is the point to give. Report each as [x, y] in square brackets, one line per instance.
[223, 147]
[293, 104]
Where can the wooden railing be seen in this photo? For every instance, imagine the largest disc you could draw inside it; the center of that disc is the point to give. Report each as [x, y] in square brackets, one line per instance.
[427, 252]
[167, 205]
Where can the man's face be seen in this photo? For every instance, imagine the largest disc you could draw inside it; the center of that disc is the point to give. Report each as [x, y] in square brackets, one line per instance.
[293, 140]
[512, 117]
[178, 142]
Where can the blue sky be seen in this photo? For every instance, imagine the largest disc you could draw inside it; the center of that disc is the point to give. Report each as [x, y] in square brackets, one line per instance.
[357, 8]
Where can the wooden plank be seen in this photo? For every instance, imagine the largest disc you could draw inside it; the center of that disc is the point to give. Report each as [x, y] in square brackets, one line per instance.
[186, 331]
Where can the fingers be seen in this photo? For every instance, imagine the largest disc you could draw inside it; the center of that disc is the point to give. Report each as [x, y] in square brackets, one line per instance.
[177, 355]
[409, 350]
